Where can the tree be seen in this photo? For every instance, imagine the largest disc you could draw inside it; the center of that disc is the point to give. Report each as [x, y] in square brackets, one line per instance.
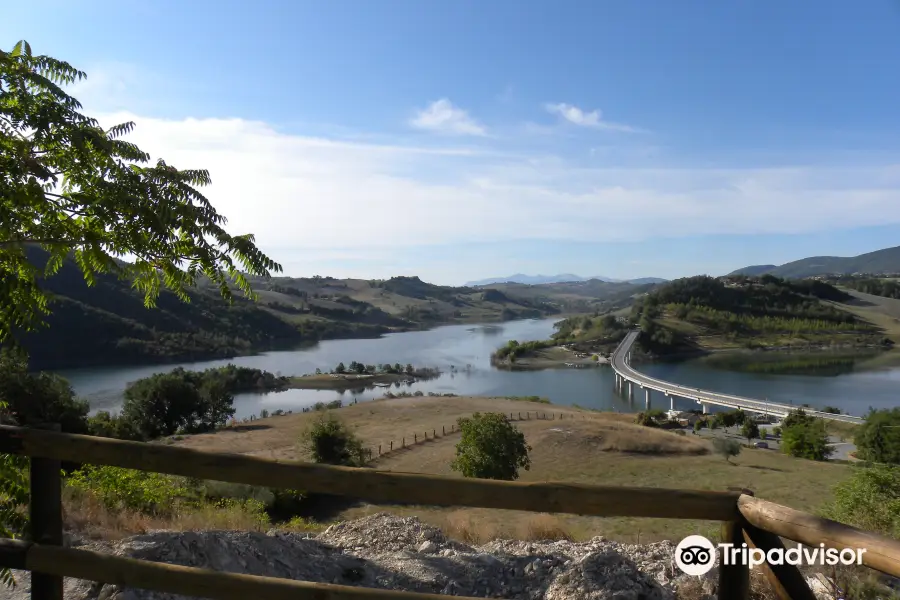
[328, 440]
[728, 419]
[750, 429]
[727, 448]
[409, 369]
[739, 417]
[340, 369]
[698, 424]
[80, 191]
[162, 404]
[869, 500]
[33, 398]
[807, 439]
[491, 448]
[878, 439]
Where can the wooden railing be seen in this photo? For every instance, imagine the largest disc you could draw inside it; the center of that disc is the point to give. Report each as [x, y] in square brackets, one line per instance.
[745, 518]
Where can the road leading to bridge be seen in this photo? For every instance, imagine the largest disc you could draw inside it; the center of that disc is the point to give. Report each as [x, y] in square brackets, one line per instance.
[626, 374]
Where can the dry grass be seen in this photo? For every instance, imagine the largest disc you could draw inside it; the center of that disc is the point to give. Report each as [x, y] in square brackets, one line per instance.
[84, 513]
[475, 528]
[377, 422]
[582, 446]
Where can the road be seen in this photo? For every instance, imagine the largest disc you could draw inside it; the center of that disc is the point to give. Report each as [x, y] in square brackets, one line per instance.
[619, 362]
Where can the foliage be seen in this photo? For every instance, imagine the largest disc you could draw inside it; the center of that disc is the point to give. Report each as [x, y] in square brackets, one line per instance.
[750, 429]
[806, 439]
[491, 448]
[869, 500]
[727, 448]
[647, 419]
[329, 441]
[117, 488]
[877, 286]
[878, 439]
[106, 424]
[699, 424]
[14, 496]
[178, 401]
[34, 398]
[513, 349]
[80, 191]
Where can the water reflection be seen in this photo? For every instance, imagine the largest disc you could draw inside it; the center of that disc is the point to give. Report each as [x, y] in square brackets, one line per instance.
[821, 364]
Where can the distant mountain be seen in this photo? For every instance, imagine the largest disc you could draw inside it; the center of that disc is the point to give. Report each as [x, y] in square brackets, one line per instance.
[754, 270]
[880, 261]
[561, 278]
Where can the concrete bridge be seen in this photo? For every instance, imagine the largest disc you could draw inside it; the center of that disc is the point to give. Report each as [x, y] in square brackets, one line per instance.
[628, 378]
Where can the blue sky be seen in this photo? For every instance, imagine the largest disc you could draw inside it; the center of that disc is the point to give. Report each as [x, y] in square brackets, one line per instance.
[466, 139]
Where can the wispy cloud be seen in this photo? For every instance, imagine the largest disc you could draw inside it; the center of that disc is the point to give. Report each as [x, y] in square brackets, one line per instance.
[441, 116]
[582, 118]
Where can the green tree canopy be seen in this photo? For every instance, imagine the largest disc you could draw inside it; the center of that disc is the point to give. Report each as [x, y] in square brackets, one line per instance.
[750, 429]
[491, 448]
[328, 440]
[81, 191]
[806, 439]
[869, 499]
[878, 439]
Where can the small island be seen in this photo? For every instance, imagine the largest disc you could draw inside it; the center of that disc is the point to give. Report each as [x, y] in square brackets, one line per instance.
[360, 375]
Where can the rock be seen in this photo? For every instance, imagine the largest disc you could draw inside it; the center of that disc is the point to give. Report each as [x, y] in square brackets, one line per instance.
[427, 547]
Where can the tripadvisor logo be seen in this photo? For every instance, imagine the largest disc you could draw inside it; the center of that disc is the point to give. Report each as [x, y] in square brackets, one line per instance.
[696, 555]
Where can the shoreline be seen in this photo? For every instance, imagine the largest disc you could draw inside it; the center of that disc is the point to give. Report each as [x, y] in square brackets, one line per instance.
[351, 381]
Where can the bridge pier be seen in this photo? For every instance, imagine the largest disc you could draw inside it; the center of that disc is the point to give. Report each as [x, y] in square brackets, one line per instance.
[705, 408]
[671, 402]
[631, 391]
[646, 398]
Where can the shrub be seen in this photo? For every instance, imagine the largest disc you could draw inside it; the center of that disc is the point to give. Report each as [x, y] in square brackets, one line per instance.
[117, 488]
[329, 441]
[33, 398]
[104, 424]
[646, 420]
[869, 500]
[750, 429]
[491, 448]
[807, 439]
[727, 448]
[878, 439]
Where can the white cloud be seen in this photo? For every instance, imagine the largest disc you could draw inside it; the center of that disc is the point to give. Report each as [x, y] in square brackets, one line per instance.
[442, 117]
[315, 195]
[318, 204]
[582, 118]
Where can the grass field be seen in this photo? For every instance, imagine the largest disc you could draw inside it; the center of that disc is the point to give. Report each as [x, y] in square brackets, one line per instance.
[582, 446]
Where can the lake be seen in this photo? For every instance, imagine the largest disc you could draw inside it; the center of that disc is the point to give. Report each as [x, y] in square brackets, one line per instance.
[468, 349]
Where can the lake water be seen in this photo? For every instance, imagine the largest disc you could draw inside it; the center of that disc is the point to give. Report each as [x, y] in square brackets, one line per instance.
[468, 349]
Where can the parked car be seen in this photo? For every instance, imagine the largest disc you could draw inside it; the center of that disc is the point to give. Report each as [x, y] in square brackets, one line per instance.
[761, 445]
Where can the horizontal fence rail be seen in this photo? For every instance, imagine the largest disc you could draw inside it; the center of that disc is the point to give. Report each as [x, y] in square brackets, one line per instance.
[177, 579]
[374, 485]
[881, 553]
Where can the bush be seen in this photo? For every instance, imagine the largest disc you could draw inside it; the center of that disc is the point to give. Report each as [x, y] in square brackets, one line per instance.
[646, 420]
[490, 448]
[33, 398]
[727, 448]
[869, 500]
[750, 429]
[878, 439]
[329, 441]
[807, 439]
[104, 424]
[140, 491]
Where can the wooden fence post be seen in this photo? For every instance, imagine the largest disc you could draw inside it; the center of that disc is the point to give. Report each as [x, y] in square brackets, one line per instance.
[392, 445]
[45, 514]
[379, 449]
[415, 438]
[433, 433]
[734, 579]
[403, 442]
[443, 430]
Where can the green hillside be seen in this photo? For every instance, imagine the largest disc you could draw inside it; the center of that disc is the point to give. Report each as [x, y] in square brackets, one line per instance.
[108, 323]
[878, 262]
[749, 312]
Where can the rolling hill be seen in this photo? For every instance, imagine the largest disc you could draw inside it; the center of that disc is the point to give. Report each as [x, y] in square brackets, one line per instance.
[562, 278]
[878, 262]
[108, 324]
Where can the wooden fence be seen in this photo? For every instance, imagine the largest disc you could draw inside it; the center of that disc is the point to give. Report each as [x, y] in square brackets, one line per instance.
[384, 450]
[744, 517]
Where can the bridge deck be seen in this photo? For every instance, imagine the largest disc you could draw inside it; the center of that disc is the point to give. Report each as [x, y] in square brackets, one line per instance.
[619, 362]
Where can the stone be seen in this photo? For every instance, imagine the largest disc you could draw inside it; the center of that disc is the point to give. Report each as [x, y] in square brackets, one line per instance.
[427, 547]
